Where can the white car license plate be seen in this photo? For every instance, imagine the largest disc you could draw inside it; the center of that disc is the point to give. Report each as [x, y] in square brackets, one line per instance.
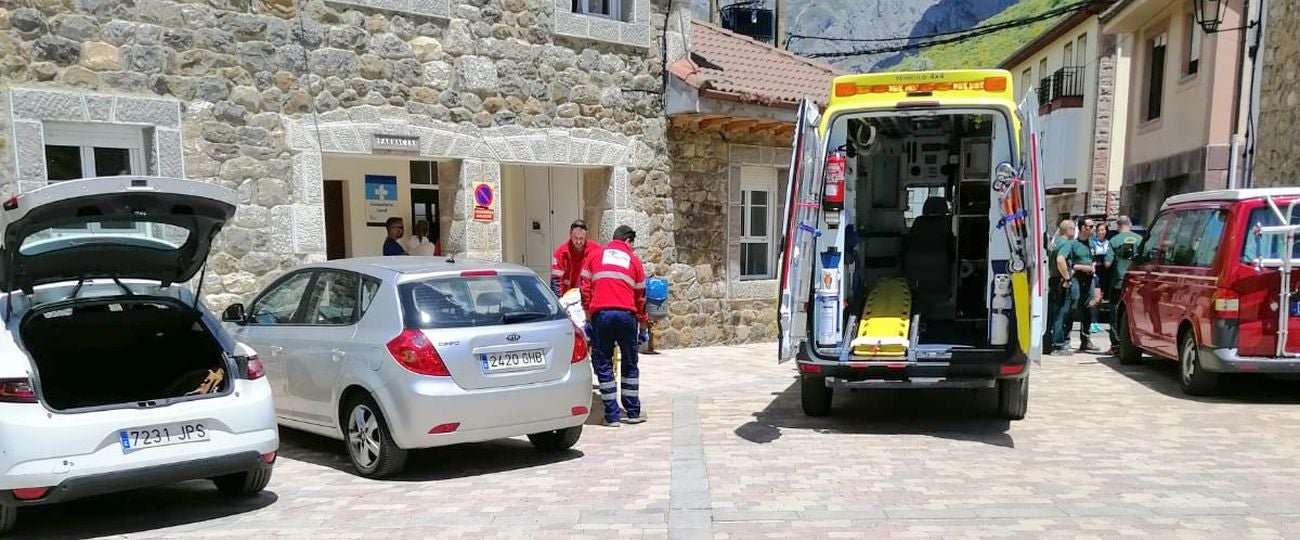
[513, 360]
[133, 439]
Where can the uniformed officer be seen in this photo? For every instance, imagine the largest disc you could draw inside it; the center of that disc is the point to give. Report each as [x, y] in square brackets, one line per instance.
[1123, 247]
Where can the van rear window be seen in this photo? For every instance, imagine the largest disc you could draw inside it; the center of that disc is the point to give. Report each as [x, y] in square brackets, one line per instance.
[487, 300]
[1265, 246]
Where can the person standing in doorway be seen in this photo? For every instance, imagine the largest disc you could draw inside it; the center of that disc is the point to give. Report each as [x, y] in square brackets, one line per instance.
[419, 244]
[613, 293]
[1100, 250]
[1123, 247]
[392, 243]
[567, 261]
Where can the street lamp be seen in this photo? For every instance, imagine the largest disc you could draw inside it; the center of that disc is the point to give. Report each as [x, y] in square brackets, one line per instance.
[1209, 14]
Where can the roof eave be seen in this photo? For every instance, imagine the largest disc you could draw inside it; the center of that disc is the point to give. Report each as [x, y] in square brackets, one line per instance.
[1052, 33]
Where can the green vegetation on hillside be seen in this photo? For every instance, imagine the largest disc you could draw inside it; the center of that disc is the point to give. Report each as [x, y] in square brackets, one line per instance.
[987, 50]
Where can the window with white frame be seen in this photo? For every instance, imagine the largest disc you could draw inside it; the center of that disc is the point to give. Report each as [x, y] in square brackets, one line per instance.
[1192, 62]
[619, 10]
[1155, 76]
[758, 206]
[75, 151]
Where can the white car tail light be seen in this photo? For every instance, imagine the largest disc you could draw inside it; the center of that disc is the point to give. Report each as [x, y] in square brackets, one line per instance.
[17, 391]
[413, 352]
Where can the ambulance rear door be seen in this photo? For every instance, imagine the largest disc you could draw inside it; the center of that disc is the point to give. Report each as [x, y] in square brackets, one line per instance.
[799, 232]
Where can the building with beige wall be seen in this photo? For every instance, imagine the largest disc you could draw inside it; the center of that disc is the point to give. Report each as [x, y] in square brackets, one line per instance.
[1277, 144]
[1072, 68]
[1182, 99]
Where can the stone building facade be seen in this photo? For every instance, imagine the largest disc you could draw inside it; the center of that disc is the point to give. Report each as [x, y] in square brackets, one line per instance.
[1277, 147]
[295, 103]
[732, 104]
[1071, 67]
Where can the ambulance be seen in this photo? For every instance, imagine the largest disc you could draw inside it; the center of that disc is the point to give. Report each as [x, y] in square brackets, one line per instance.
[913, 238]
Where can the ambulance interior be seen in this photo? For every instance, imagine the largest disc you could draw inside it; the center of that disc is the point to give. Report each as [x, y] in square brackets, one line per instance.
[918, 198]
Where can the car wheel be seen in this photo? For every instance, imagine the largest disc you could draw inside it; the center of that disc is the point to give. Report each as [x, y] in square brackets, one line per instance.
[1013, 398]
[1129, 354]
[1193, 378]
[8, 517]
[815, 395]
[370, 444]
[556, 441]
[244, 484]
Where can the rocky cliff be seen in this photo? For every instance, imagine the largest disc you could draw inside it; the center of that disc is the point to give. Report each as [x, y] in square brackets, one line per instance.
[875, 19]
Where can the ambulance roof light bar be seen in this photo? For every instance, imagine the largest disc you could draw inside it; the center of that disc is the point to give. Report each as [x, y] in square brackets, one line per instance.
[988, 84]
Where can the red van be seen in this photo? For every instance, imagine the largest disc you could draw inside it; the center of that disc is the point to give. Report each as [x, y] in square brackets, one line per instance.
[1207, 287]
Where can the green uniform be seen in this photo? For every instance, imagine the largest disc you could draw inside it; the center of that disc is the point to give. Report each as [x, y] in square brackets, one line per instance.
[1122, 249]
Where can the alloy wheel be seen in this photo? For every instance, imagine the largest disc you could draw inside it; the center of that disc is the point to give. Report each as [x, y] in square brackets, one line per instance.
[363, 436]
[1187, 363]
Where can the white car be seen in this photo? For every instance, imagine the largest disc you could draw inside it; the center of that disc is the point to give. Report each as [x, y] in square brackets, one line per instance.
[395, 353]
[112, 376]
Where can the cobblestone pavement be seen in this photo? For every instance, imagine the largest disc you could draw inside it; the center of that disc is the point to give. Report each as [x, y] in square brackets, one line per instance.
[1106, 451]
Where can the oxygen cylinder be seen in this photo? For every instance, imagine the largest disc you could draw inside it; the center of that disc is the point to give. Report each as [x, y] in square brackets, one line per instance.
[1000, 310]
[828, 300]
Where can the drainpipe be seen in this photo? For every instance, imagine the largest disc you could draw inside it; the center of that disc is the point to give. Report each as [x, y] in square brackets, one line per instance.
[1237, 95]
[1256, 75]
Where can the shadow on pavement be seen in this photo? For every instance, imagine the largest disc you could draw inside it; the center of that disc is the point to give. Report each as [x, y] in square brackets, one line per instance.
[443, 463]
[1162, 376]
[962, 415]
[134, 511]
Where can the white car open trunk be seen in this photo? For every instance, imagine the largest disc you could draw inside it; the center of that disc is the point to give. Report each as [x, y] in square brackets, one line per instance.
[92, 340]
[137, 351]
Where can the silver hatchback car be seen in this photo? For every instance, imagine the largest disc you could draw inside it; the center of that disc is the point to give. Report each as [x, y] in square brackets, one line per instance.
[396, 353]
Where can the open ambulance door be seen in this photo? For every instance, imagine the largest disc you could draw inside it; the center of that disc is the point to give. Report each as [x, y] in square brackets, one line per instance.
[1031, 152]
[799, 231]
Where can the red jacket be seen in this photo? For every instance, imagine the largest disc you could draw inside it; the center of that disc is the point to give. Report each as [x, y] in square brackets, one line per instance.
[613, 278]
[566, 266]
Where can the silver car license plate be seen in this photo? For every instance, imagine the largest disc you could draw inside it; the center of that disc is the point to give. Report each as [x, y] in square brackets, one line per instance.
[139, 438]
[513, 360]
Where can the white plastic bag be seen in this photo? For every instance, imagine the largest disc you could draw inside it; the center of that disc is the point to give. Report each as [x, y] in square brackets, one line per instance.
[571, 301]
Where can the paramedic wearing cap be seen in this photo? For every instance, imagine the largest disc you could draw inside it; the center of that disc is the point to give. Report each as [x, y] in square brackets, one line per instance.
[613, 293]
[566, 262]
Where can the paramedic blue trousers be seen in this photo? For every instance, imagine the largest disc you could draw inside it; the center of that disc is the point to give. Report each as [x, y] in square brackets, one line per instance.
[617, 328]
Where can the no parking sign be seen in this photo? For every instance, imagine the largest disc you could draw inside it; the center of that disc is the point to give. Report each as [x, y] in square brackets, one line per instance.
[483, 199]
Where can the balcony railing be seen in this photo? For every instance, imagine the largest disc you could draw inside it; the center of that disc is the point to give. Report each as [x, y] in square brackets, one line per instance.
[1062, 89]
[1068, 82]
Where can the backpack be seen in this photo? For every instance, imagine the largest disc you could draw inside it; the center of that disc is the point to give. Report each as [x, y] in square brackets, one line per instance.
[1126, 251]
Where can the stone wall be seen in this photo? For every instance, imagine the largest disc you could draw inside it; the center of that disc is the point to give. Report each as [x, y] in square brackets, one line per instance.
[705, 305]
[1103, 126]
[264, 87]
[1277, 151]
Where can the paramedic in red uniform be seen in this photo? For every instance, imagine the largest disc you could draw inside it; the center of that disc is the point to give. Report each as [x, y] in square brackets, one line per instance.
[566, 262]
[613, 294]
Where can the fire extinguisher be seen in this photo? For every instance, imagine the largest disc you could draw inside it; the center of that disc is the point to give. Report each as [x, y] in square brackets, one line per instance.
[833, 196]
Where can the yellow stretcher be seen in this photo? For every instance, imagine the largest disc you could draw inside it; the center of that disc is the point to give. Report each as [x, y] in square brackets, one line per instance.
[886, 325]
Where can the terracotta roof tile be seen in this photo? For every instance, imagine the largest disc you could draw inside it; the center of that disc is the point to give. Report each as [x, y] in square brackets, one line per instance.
[728, 64]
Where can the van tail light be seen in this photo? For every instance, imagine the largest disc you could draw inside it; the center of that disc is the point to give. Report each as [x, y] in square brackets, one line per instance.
[1227, 304]
[416, 354]
[579, 346]
[253, 367]
[17, 391]
[31, 493]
